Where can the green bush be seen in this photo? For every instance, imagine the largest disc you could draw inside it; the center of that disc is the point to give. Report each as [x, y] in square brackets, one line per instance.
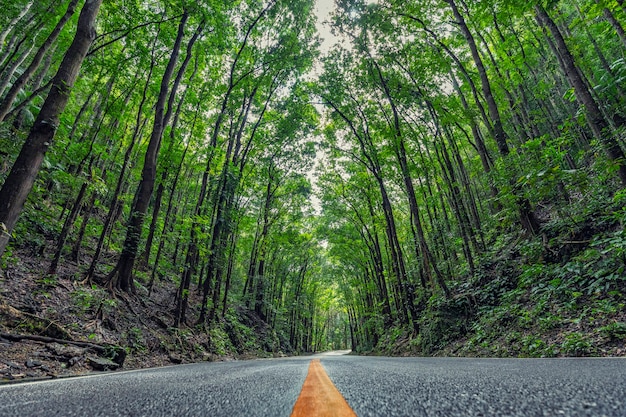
[576, 344]
[90, 299]
[614, 331]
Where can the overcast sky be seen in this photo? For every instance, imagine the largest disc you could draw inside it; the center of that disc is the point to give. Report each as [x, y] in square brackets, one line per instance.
[323, 9]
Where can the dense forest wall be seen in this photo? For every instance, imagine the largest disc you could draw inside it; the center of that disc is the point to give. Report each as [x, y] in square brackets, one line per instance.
[154, 181]
[473, 195]
[467, 161]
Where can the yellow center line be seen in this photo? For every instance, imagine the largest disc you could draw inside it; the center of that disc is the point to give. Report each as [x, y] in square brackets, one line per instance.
[319, 396]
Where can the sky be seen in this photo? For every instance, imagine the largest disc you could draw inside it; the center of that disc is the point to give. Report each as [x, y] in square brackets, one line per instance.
[322, 10]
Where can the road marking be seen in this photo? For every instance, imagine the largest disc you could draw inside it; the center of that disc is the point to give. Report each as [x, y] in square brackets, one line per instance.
[319, 396]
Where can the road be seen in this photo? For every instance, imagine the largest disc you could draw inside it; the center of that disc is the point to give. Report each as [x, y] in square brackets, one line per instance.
[372, 386]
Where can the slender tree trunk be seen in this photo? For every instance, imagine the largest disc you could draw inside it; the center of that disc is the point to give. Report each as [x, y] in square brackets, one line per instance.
[69, 222]
[214, 266]
[595, 119]
[14, 46]
[10, 70]
[259, 275]
[126, 261]
[168, 225]
[397, 258]
[115, 200]
[456, 203]
[170, 108]
[7, 55]
[479, 143]
[372, 241]
[13, 22]
[617, 26]
[75, 253]
[229, 182]
[527, 216]
[166, 221]
[7, 102]
[191, 261]
[20, 180]
[494, 113]
[248, 287]
[400, 150]
[37, 88]
[229, 271]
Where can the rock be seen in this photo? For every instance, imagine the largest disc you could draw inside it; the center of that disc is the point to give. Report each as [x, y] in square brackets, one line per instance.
[209, 357]
[12, 365]
[44, 354]
[31, 363]
[67, 352]
[76, 359]
[175, 358]
[117, 354]
[101, 364]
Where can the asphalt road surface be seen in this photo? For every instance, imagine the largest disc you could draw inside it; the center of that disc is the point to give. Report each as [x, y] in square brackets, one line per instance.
[372, 386]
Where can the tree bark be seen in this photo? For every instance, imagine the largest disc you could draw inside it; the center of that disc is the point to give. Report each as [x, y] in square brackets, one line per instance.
[170, 109]
[8, 73]
[126, 261]
[69, 222]
[115, 203]
[527, 217]
[400, 151]
[21, 81]
[617, 26]
[20, 181]
[595, 119]
[492, 106]
[14, 21]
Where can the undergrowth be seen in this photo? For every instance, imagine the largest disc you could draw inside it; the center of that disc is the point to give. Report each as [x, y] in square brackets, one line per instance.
[558, 294]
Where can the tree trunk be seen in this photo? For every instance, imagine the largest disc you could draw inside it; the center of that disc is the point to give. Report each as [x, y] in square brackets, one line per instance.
[75, 254]
[69, 222]
[166, 221]
[596, 121]
[14, 21]
[10, 70]
[527, 216]
[115, 200]
[126, 261]
[36, 88]
[21, 81]
[229, 270]
[400, 151]
[494, 113]
[170, 108]
[20, 181]
[617, 26]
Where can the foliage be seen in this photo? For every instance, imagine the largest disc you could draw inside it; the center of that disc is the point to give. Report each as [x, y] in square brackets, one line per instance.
[93, 299]
[438, 179]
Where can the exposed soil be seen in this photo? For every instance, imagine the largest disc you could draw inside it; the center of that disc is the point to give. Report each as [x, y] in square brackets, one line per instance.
[113, 330]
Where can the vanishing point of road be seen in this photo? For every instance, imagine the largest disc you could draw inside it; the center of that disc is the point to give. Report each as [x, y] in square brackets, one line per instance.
[365, 386]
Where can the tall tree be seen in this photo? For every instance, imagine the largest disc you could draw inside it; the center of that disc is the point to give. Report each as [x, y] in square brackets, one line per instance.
[20, 181]
[596, 120]
[18, 84]
[124, 268]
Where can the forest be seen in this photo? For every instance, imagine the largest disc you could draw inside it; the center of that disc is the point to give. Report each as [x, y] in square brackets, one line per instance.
[209, 178]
